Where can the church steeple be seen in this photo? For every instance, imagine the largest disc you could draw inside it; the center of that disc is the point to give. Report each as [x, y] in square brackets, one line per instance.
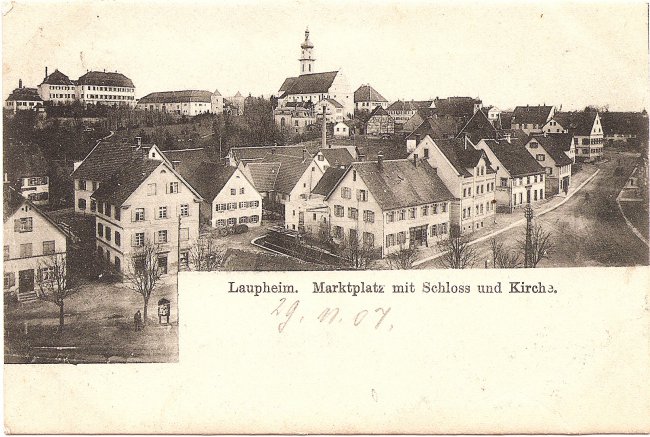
[306, 56]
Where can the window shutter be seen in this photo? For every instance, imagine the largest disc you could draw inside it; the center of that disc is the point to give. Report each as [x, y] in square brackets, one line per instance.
[133, 239]
[16, 225]
[12, 279]
[166, 188]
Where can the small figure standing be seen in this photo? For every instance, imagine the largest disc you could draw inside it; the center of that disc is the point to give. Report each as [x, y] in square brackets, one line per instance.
[137, 320]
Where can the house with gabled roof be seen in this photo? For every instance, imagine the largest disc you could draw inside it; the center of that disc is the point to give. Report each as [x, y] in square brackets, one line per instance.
[388, 204]
[23, 98]
[468, 175]
[26, 170]
[184, 102]
[549, 151]
[586, 130]
[58, 88]
[520, 178]
[380, 122]
[420, 116]
[531, 118]
[333, 157]
[457, 106]
[145, 201]
[403, 110]
[436, 126]
[366, 98]
[31, 238]
[332, 109]
[478, 127]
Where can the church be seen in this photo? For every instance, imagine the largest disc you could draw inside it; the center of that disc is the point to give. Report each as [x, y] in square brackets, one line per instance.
[313, 91]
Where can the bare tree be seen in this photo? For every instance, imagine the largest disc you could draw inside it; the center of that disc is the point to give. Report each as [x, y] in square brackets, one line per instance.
[457, 251]
[206, 255]
[502, 257]
[360, 255]
[540, 245]
[403, 259]
[54, 283]
[143, 273]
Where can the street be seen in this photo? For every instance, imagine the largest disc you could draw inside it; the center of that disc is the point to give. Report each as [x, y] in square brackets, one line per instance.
[588, 230]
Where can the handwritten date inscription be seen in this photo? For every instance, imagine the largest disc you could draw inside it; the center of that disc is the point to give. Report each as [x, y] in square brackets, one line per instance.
[291, 311]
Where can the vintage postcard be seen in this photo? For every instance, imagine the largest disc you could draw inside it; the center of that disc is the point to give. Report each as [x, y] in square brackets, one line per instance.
[325, 217]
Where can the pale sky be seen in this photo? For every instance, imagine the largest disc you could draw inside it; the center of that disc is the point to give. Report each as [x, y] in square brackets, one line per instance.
[506, 53]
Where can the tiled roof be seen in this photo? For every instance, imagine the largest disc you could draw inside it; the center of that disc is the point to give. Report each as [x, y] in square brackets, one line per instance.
[117, 189]
[456, 106]
[366, 93]
[338, 156]
[623, 123]
[460, 156]
[438, 127]
[258, 153]
[314, 83]
[506, 120]
[411, 105]
[186, 161]
[532, 114]
[517, 136]
[478, 127]
[329, 180]
[577, 123]
[12, 200]
[209, 178]
[57, 78]
[515, 159]
[401, 183]
[25, 94]
[177, 96]
[333, 102]
[263, 175]
[556, 145]
[105, 79]
[105, 159]
[291, 168]
[378, 111]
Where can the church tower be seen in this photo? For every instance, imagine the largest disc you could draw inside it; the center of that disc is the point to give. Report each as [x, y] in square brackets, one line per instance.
[306, 57]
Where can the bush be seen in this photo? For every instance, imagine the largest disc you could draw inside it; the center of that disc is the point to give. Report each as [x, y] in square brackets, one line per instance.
[240, 229]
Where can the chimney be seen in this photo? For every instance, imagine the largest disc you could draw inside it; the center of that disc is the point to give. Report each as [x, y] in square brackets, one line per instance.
[380, 160]
[46, 71]
[20, 83]
[415, 159]
[324, 131]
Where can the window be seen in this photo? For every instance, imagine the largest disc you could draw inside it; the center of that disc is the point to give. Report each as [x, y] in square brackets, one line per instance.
[82, 184]
[254, 218]
[6, 252]
[533, 145]
[139, 215]
[9, 280]
[221, 222]
[233, 191]
[173, 187]
[118, 214]
[346, 192]
[469, 191]
[46, 274]
[444, 207]
[151, 190]
[390, 240]
[100, 230]
[401, 215]
[138, 239]
[401, 237]
[540, 157]
[390, 217]
[162, 212]
[107, 209]
[26, 250]
[338, 232]
[81, 203]
[232, 205]
[368, 239]
[243, 204]
[185, 210]
[339, 211]
[504, 182]
[162, 236]
[368, 216]
[434, 230]
[184, 258]
[353, 213]
[412, 213]
[241, 190]
[426, 153]
[49, 247]
[108, 233]
[93, 205]
[254, 203]
[442, 227]
[184, 234]
[232, 221]
[354, 175]
[243, 219]
[24, 224]
[118, 238]
[362, 195]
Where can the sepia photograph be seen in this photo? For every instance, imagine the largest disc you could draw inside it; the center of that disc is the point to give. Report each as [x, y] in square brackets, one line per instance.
[144, 141]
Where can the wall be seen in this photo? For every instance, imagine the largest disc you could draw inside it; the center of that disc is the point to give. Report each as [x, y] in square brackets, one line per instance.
[224, 217]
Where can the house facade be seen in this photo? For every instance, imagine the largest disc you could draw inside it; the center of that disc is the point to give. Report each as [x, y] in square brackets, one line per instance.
[58, 88]
[548, 151]
[467, 173]
[375, 204]
[332, 109]
[520, 178]
[30, 238]
[146, 202]
[380, 122]
[402, 111]
[586, 130]
[186, 102]
[22, 99]
[531, 119]
[366, 98]
[341, 130]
